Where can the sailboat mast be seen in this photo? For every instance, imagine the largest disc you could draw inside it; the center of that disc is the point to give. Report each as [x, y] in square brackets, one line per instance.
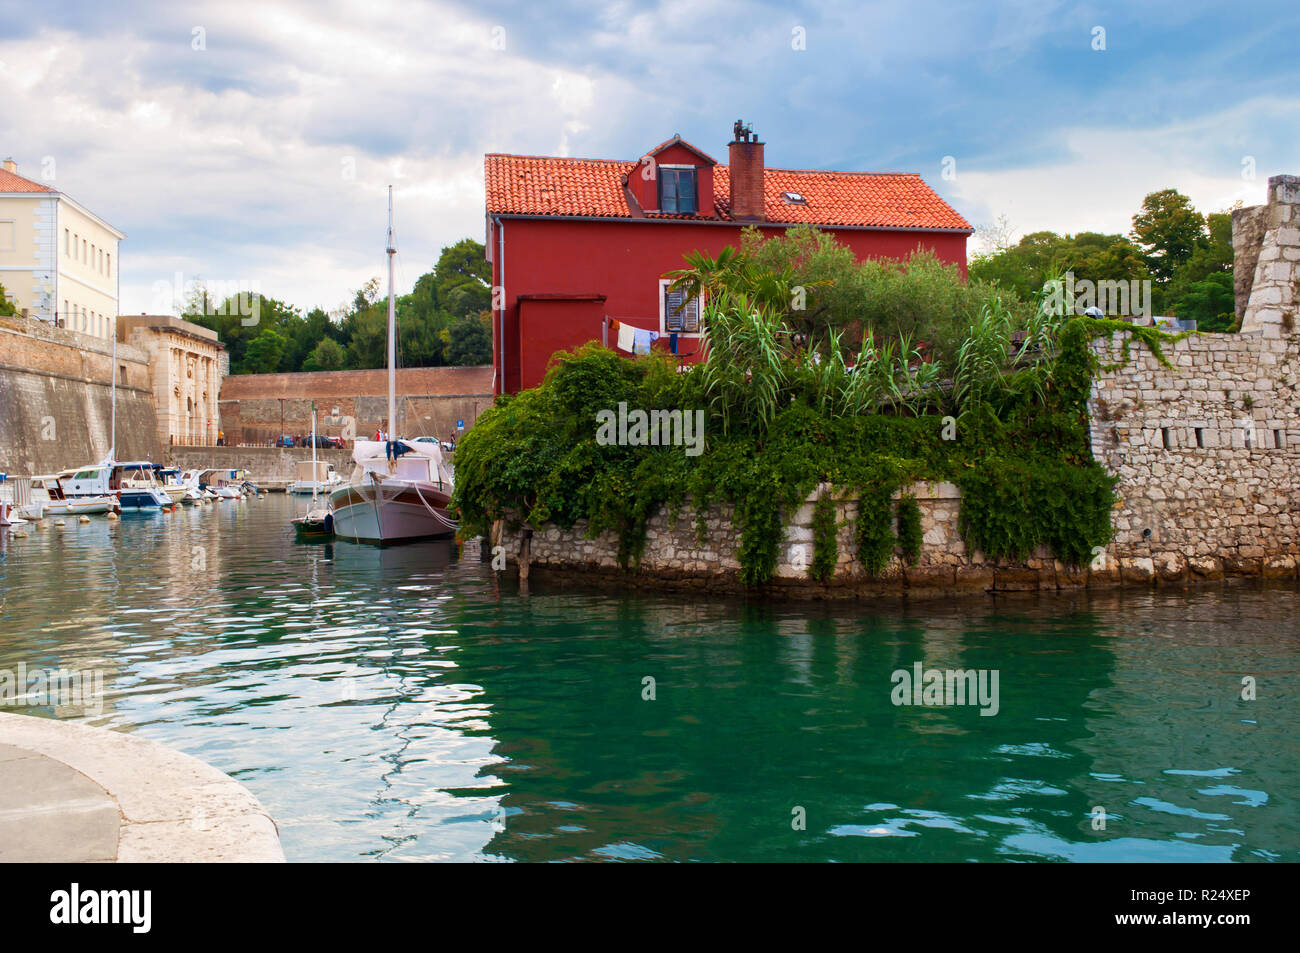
[112, 437]
[392, 329]
[313, 451]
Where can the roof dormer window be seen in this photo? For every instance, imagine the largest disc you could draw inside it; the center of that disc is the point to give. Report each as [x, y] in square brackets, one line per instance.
[677, 189]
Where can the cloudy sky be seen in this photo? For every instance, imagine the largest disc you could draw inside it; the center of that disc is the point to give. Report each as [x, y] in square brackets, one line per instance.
[252, 142]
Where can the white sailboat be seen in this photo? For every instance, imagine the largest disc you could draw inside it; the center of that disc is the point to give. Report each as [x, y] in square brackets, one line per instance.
[399, 489]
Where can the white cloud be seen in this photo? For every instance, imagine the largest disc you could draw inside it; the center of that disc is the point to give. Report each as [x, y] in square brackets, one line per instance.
[1107, 172]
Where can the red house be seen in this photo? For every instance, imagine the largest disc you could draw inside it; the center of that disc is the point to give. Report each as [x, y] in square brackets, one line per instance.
[574, 242]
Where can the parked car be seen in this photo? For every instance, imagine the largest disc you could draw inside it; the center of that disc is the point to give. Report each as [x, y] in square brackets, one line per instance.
[284, 441]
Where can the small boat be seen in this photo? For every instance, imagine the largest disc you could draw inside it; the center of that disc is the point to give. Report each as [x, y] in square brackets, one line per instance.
[138, 487]
[8, 517]
[193, 490]
[17, 491]
[48, 490]
[225, 484]
[318, 521]
[399, 490]
[169, 479]
[314, 477]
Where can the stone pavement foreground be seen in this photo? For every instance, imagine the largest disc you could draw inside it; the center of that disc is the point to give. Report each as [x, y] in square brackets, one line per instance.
[71, 793]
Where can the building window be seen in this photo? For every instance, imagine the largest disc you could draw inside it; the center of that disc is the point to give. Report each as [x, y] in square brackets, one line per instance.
[677, 313]
[83, 250]
[108, 265]
[67, 244]
[8, 234]
[676, 189]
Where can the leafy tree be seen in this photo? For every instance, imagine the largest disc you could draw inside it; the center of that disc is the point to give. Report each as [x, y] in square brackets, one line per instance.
[470, 342]
[1209, 302]
[1168, 230]
[463, 278]
[6, 304]
[367, 334]
[265, 352]
[327, 355]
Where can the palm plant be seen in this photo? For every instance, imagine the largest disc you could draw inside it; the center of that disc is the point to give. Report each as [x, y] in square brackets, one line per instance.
[745, 368]
[982, 356]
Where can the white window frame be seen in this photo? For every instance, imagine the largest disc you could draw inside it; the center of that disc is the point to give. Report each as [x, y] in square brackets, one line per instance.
[663, 313]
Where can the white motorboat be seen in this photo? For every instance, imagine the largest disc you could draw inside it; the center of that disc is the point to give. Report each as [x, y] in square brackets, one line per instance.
[399, 489]
[18, 492]
[169, 480]
[313, 477]
[225, 484]
[48, 491]
[137, 486]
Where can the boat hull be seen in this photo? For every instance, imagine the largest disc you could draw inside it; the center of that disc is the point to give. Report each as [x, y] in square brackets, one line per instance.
[391, 511]
[74, 507]
[306, 487]
[144, 499]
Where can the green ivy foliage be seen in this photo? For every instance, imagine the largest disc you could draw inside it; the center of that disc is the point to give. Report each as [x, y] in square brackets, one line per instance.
[909, 528]
[1022, 461]
[826, 547]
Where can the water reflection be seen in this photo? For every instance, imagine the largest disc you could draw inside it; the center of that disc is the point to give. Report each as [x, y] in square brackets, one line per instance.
[403, 703]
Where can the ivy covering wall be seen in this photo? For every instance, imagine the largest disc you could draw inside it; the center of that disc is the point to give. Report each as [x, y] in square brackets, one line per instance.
[1003, 416]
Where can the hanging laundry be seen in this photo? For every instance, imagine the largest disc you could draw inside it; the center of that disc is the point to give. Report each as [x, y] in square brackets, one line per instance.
[672, 342]
[642, 341]
[626, 337]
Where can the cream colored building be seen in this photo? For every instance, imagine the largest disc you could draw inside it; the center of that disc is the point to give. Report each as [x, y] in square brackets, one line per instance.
[58, 260]
[187, 364]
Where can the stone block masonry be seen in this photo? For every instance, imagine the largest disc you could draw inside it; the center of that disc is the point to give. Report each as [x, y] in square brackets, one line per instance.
[255, 408]
[674, 556]
[56, 400]
[1274, 293]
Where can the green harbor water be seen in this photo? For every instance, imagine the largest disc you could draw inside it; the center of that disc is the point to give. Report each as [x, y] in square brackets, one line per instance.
[407, 704]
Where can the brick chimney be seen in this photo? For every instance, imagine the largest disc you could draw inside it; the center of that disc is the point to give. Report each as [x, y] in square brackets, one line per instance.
[745, 159]
[11, 165]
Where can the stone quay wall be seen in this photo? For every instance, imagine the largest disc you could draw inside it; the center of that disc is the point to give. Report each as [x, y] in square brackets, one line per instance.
[675, 558]
[56, 399]
[269, 465]
[257, 408]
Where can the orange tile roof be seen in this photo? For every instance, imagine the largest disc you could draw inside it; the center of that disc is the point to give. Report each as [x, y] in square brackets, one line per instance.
[12, 182]
[546, 185]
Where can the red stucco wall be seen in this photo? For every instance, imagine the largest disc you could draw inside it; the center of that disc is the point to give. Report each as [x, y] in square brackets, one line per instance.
[623, 261]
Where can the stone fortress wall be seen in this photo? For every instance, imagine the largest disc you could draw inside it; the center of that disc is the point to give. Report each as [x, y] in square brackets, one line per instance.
[1206, 453]
[56, 399]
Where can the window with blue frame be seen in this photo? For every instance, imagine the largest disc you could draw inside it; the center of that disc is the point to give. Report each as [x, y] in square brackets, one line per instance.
[677, 190]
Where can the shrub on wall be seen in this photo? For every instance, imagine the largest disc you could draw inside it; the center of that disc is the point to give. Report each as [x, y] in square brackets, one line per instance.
[909, 528]
[1014, 438]
[826, 547]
